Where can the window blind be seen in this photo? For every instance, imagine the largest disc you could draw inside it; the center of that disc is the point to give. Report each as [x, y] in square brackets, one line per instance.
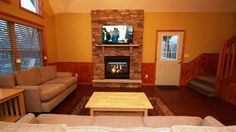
[6, 65]
[20, 47]
[28, 46]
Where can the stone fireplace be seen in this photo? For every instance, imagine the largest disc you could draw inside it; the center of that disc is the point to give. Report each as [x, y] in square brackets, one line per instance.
[102, 52]
[117, 67]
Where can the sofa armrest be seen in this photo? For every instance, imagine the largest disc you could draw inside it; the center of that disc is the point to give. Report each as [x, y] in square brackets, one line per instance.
[64, 74]
[32, 98]
[211, 121]
[29, 118]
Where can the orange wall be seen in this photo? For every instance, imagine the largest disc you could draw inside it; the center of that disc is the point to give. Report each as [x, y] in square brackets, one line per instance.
[73, 35]
[68, 35]
[47, 21]
[204, 31]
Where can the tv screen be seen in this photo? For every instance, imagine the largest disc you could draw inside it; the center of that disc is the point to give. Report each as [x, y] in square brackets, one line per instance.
[117, 34]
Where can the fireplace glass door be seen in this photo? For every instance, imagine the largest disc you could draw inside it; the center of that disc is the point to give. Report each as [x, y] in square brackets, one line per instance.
[117, 67]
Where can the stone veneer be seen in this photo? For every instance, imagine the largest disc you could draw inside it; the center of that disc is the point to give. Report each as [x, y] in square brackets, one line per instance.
[117, 17]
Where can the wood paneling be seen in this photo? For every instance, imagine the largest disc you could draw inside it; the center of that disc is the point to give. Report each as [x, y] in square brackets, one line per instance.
[82, 69]
[148, 73]
[226, 72]
[203, 65]
[7, 1]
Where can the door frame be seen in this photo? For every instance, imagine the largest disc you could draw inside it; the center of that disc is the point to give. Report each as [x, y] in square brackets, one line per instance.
[183, 47]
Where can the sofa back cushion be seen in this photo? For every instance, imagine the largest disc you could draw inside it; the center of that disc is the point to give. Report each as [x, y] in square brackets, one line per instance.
[48, 73]
[7, 81]
[168, 121]
[110, 129]
[184, 128]
[28, 77]
[69, 120]
[211, 121]
[29, 118]
[27, 127]
[118, 121]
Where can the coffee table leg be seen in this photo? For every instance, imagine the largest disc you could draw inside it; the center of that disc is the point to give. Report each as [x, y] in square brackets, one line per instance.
[91, 112]
[145, 112]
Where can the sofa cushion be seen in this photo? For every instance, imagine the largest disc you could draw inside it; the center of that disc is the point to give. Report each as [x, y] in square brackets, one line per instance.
[168, 121]
[109, 129]
[7, 81]
[27, 127]
[118, 121]
[48, 73]
[29, 118]
[211, 121]
[65, 80]
[70, 120]
[49, 91]
[183, 128]
[28, 77]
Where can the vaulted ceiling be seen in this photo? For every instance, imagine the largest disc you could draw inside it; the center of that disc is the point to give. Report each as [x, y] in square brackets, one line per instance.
[72, 6]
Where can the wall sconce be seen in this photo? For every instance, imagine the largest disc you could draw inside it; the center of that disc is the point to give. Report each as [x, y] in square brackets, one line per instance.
[45, 57]
[18, 60]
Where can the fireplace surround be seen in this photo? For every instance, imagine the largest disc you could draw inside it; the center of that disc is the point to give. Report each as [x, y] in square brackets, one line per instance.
[117, 67]
[99, 18]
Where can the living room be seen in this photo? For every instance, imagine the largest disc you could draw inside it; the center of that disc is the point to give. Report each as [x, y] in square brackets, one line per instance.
[197, 79]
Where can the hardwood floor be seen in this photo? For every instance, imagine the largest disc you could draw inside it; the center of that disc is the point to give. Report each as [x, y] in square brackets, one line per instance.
[182, 101]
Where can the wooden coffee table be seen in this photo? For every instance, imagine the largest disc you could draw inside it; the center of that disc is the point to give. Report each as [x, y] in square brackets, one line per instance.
[119, 101]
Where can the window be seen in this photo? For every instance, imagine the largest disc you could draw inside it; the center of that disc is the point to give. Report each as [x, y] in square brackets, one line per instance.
[32, 5]
[169, 47]
[20, 47]
[5, 49]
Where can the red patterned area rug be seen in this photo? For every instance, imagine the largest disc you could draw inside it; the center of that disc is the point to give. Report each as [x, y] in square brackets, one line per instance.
[159, 107]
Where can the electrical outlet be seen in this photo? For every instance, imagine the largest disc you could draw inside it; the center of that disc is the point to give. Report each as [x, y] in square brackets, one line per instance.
[76, 74]
[146, 76]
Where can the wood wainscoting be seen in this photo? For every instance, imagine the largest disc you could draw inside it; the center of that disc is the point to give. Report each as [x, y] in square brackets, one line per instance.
[84, 70]
[148, 73]
[203, 65]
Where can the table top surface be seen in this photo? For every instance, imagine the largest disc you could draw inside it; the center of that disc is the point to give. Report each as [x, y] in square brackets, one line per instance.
[6, 93]
[119, 100]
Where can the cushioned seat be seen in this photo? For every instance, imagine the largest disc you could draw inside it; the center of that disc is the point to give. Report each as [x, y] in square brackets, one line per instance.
[28, 127]
[49, 91]
[65, 80]
[168, 121]
[70, 120]
[118, 121]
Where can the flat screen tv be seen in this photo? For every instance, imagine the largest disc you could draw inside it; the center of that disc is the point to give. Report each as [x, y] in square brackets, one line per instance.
[117, 34]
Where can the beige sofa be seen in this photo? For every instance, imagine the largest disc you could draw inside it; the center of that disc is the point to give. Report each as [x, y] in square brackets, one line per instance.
[44, 87]
[74, 123]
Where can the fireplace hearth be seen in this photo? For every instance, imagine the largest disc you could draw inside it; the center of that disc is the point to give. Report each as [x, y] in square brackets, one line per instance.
[117, 67]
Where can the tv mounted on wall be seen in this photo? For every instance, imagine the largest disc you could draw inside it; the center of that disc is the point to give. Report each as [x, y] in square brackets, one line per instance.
[117, 34]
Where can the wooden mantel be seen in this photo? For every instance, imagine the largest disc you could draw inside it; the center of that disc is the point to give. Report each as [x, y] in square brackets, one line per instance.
[117, 45]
